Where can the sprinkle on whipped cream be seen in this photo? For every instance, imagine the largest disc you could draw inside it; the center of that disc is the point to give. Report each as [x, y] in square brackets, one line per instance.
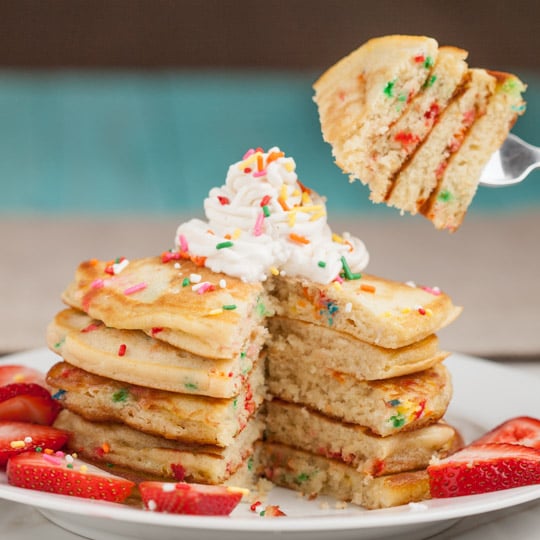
[264, 221]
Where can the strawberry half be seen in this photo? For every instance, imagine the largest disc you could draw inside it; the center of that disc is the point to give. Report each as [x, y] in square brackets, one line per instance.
[522, 430]
[22, 402]
[18, 437]
[62, 474]
[14, 373]
[483, 468]
[193, 499]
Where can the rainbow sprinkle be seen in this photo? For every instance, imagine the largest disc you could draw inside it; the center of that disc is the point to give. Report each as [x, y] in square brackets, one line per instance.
[347, 271]
[183, 243]
[135, 288]
[223, 245]
[201, 288]
[389, 88]
[299, 239]
[257, 230]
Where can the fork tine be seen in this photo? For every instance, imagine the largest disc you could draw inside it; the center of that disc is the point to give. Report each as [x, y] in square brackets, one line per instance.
[511, 164]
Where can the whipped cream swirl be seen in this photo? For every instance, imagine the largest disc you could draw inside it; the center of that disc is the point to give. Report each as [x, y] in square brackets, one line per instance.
[264, 221]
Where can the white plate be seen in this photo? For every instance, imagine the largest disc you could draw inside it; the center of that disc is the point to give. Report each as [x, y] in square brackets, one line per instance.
[485, 394]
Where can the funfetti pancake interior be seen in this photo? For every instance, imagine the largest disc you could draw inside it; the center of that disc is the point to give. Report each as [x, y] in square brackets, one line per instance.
[257, 347]
[412, 121]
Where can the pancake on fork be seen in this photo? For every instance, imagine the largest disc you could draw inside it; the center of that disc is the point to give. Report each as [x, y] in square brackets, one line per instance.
[367, 91]
[412, 121]
[448, 203]
[414, 184]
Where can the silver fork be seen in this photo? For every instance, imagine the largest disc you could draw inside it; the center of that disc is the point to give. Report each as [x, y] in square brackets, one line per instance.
[511, 164]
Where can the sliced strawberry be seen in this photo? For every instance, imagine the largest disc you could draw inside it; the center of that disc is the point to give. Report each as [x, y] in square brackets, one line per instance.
[522, 430]
[483, 468]
[22, 402]
[65, 475]
[18, 437]
[193, 499]
[14, 373]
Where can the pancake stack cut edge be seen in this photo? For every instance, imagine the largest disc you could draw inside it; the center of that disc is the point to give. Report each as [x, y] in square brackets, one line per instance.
[357, 390]
[135, 401]
[413, 122]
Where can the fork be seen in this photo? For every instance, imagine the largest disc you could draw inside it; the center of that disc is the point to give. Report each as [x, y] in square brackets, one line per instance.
[511, 164]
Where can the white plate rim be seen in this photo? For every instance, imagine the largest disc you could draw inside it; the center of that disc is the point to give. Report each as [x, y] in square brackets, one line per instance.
[465, 369]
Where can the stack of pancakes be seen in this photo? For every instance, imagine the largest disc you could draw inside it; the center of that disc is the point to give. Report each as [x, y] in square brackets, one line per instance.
[163, 376]
[358, 390]
[412, 121]
[162, 372]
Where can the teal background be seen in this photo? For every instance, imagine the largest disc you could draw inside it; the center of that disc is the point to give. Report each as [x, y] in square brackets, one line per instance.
[156, 142]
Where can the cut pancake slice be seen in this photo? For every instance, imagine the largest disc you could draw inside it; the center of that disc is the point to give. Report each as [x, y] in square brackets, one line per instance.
[385, 407]
[186, 306]
[92, 346]
[120, 445]
[192, 419]
[365, 92]
[451, 198]
[378, 311]
[316, 475]
[326, 348]
[400, 130]
[414, 184]
[303, 428]
[390, 151]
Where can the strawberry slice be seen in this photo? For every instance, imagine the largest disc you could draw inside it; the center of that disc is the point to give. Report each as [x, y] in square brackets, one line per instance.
[193, 499]
[483, 468]
[14, 373]
[63, 474]
[522, 430]
[18, 437]
[22, 402]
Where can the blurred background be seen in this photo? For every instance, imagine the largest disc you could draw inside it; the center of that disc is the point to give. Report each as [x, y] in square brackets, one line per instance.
[117, 117]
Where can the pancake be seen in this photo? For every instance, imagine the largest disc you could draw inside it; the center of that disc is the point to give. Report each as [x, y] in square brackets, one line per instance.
[449, 202]
[372, 309]
[365, 92]
[146, 361]
[181, 417]
[316, 475]
[305, 429]
[152, 295]
[292, 339]
[415, 124]
[145, 454]
[388, 152]
[385, 407]
[414, 184]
